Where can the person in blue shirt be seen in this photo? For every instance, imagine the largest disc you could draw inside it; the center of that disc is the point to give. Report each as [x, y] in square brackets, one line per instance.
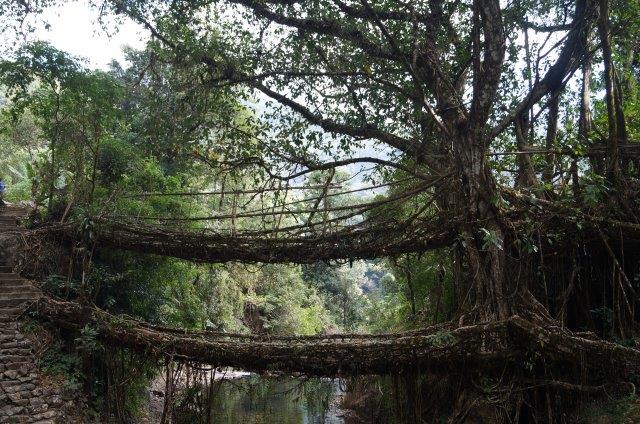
[3, 187]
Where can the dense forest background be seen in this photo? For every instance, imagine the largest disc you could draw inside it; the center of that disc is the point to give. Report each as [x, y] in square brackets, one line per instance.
[82, 142]
[117, 142]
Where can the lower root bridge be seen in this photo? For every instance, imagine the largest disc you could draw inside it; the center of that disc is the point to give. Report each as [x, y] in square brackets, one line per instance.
[516, 345]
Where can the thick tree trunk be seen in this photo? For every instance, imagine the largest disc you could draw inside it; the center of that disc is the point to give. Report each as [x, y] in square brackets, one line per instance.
[585, 122]
[621, 124]
[526, 173]
[613, 164]
[483, 236]
[411, 290]
[552, 133]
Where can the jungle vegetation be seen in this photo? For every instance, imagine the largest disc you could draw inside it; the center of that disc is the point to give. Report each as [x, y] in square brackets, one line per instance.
[488, 150]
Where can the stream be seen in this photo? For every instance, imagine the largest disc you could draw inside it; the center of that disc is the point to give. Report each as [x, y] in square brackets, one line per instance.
[252, 399]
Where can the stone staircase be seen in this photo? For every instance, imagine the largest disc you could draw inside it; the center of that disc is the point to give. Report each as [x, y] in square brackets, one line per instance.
[22, 400]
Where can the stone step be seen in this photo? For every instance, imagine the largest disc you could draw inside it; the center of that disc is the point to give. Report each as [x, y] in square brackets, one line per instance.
[10, 337]
[11, 277]
[15, 279]
[15, 282]
[23, 365]
[9, 314]
[8, 359]
[8, 327]
[21, 398]
[12, 280]
[17, 289]
[21, 351]
[19, 284]
[13, 304]
[21, 302]
[16, 344]
[20, 295]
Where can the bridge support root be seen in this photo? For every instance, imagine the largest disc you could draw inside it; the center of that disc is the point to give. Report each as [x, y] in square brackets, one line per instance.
[508, 356]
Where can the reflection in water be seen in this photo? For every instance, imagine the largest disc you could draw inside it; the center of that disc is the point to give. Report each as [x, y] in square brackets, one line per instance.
[256, 400]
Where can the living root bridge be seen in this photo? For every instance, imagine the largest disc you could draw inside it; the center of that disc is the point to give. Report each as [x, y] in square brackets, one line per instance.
[492, 347]
[210, 246]
[346, 243]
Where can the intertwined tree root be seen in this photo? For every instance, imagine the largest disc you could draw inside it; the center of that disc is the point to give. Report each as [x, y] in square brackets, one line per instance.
[572, 361]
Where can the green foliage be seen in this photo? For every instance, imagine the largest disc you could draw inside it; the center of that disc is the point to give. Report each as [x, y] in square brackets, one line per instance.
[442, 339]
[74, 110]
[19, 143]
[286, 304]
[617, 411]
[595, 187]
[87, 341]
[57, 360]
[389, 311]
[343, 290]
[489, 238]
[60, 286]
[157, 290]
[418, 291]
[271, 299]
